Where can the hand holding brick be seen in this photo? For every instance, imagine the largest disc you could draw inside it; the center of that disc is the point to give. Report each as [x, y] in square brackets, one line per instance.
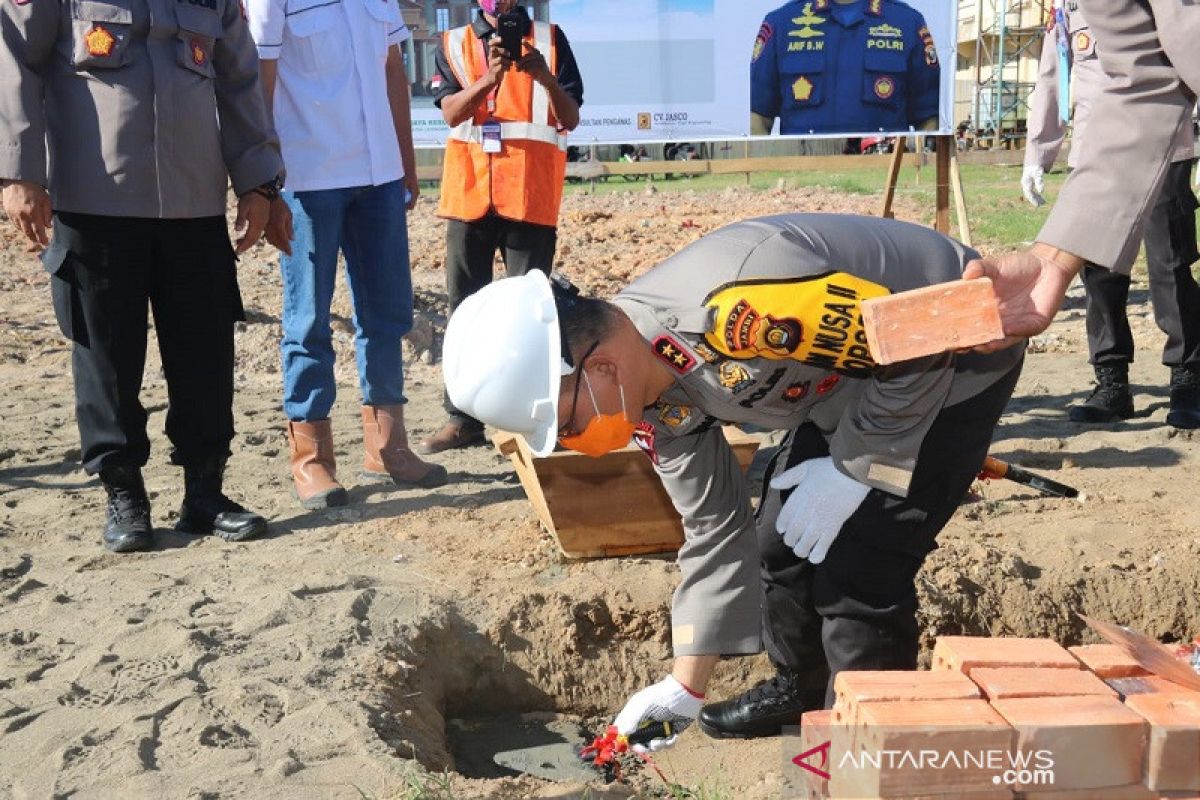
[931, 320]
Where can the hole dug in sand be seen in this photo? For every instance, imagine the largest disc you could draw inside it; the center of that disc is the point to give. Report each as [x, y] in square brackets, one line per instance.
[551, 670]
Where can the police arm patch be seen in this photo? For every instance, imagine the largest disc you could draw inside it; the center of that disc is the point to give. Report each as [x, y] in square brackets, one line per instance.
[760, 41]
[815, 320]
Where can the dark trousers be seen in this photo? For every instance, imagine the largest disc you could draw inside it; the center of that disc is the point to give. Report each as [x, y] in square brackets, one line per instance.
[857, 609]
[470, 252]
[1170, 239]
[105, 272]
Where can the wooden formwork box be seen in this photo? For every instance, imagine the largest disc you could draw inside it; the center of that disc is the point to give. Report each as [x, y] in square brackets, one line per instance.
[609, 506]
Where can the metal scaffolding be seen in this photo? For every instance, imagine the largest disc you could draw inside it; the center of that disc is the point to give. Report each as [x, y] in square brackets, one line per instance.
[1008, 36]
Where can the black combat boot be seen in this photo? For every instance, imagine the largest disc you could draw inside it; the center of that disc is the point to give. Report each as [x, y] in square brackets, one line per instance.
[127, 528]
[762, 711]
[1110, 400]
[1185, 397]
[206, 510]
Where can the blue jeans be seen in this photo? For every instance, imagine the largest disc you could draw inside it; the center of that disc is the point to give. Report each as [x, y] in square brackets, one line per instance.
[368, 225]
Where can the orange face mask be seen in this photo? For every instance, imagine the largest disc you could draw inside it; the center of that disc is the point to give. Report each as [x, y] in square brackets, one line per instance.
[604, 432]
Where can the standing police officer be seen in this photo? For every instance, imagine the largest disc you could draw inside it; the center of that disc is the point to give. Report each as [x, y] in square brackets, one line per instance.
[144, 106]
[837, 66]
[1170, 238]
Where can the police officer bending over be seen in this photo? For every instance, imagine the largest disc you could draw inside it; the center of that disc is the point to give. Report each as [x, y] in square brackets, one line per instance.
[844, 66]
[145, 106]
[757, 323]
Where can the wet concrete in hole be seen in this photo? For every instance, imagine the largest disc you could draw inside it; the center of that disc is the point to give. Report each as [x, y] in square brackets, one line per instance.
[475, 742]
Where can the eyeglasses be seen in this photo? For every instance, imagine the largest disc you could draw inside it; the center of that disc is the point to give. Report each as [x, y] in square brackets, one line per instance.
[567, 428]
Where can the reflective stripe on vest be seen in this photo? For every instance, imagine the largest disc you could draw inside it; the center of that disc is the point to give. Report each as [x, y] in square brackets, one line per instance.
[524, 180]
[469, 132]
[539, 114]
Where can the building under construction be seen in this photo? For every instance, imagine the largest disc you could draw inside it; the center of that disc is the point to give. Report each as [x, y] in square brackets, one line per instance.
[999, 42]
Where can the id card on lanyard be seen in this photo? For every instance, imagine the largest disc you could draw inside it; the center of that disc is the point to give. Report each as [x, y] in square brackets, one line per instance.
[493, 141]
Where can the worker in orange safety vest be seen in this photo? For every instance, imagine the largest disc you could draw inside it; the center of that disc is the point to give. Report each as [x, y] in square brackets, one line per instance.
[502, 181]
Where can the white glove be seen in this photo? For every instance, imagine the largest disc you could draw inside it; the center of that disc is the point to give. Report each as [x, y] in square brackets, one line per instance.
[822, 500]
[665, 701]
[1033, 183]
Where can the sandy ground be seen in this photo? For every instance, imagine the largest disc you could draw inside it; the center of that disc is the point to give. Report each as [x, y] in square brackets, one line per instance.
[327, 660]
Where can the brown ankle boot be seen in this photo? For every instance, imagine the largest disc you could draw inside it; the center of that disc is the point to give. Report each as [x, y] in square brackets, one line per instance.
[386, 451]
[453, 435]
[313, 466]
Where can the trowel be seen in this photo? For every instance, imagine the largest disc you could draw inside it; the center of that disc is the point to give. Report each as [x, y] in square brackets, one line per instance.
[1151, 655]
[567, 762]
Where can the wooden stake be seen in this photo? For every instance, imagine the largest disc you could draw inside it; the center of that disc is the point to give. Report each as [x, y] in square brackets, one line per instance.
[889, 190]
[960, 201]
[941, 221]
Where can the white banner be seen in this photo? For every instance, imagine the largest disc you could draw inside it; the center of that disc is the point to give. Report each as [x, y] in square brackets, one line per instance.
[682, 70]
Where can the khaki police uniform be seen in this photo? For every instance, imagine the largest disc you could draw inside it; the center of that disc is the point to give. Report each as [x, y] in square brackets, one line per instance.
[760, 321]
[1170, 225]
[144, 110]
[1149, 49]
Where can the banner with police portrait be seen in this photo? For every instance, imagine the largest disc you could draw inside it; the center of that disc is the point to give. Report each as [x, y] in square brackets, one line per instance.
[686, 70]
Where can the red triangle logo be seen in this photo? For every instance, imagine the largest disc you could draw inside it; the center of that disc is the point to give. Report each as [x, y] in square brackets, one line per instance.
[802, 760]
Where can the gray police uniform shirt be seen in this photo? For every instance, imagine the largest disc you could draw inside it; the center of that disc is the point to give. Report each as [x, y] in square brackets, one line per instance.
[1149, 47]
[146, 105]
[760, 322]
[1046, 128]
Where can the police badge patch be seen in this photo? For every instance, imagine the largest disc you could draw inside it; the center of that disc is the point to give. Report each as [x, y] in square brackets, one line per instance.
[673, 416]
[802, 89]
[885, 87]
[734, 376]
[99, 41]
[760, 41]
[706, 352]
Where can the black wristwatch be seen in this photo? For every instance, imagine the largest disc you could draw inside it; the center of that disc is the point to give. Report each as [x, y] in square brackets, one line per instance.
[270, 189]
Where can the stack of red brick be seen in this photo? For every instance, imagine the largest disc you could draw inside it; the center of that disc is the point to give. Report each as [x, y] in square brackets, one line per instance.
[1105, 728]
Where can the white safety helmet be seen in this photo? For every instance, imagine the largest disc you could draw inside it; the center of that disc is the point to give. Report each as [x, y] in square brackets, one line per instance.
[502, 360]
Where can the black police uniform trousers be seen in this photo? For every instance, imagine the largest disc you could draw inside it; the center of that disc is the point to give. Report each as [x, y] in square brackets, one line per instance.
[471, 252]
[857, 609]
[1170, 239]
[105, 272]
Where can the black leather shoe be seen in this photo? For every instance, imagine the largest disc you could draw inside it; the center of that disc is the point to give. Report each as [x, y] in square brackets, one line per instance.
[762, 711]
[127, 528]
[1110, 400]
[207, 510]
[1185, 398]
